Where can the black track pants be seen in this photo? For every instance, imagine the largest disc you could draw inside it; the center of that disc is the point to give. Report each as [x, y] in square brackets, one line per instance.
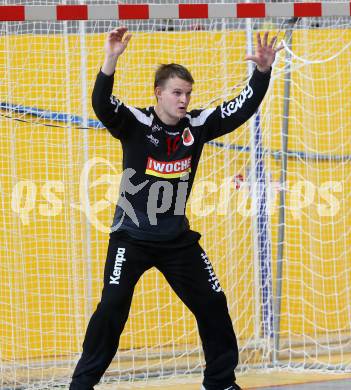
[190, 274]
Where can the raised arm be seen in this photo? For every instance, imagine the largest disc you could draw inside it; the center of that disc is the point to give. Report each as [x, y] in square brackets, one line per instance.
[115, 44]
[110, 111]
[233, 113]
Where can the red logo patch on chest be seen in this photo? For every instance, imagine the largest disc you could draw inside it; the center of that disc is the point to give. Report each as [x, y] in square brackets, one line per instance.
[188, 138]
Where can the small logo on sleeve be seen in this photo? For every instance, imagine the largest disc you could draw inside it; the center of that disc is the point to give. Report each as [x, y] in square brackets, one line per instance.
[115, 102]
[229, 108]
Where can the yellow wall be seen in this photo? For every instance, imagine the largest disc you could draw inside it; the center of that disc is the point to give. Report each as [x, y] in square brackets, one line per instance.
[44, 308]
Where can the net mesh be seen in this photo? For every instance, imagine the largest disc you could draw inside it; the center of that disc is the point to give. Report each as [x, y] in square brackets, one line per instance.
[59, 184]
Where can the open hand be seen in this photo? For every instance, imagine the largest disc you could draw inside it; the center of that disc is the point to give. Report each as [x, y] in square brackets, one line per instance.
[265, 53]
[115, 44]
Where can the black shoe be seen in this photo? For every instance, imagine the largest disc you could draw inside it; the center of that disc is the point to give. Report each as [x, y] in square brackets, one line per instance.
[232, 387]
[74, 386]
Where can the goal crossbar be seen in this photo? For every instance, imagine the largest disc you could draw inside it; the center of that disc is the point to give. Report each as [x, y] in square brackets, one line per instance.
[173, 11]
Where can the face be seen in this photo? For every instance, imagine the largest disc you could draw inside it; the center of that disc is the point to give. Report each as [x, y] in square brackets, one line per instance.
[173, 99]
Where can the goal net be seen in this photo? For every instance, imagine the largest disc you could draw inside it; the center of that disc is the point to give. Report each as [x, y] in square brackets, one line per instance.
[272, 199]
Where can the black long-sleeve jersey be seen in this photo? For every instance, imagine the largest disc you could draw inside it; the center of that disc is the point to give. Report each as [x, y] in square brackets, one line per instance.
[159, 160]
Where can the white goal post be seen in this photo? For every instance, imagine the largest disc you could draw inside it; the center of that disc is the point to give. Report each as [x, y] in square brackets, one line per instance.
[271, 199]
